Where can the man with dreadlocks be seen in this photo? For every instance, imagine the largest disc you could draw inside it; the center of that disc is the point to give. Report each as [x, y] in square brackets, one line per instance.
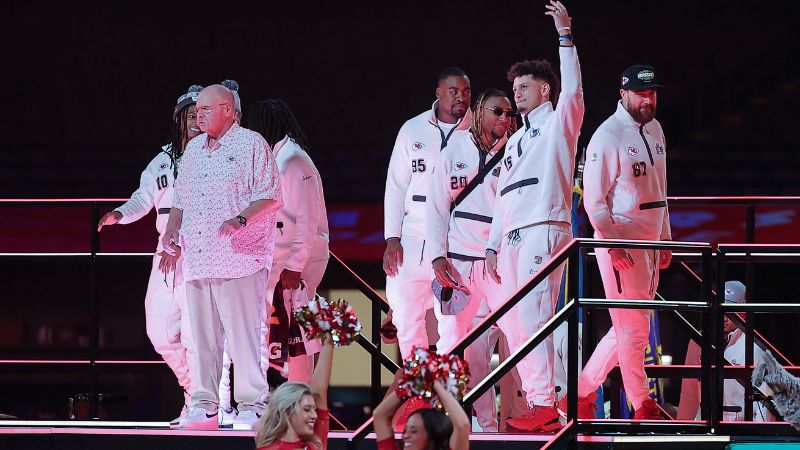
[458, 222]
[534, 209]
[165, 301]
[301, 246]
[408, 271]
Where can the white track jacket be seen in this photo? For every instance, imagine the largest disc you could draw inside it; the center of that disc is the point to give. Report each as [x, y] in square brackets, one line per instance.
[155, 190]
[535, 184]
[303, 220]
[415, 152]
[625, 179]
[464, 232]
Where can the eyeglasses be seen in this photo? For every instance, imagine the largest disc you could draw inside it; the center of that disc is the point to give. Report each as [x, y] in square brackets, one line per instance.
[208, 109]
[498, 111]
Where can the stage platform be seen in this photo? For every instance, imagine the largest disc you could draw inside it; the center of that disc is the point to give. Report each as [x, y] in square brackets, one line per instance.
[91, 435]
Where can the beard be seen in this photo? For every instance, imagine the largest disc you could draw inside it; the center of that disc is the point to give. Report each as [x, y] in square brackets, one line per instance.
[458, 110]
[641, 115]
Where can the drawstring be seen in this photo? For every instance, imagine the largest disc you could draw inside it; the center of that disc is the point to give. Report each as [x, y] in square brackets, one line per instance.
[422, 253]
[471, 270]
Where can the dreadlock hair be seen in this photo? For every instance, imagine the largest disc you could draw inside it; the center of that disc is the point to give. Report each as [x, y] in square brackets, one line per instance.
[451, 72]
[477, 117]
[179, 137]
[539, 69]
[273, 119]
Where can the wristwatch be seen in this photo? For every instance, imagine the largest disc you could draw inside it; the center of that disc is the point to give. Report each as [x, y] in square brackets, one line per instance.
[242, 220]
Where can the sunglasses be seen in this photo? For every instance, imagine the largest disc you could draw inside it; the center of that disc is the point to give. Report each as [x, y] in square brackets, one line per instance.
[498, 111]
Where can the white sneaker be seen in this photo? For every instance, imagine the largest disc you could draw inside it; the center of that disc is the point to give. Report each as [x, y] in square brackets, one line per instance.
[199, 419]
[177, 420]
[246, 420]
[226, 417]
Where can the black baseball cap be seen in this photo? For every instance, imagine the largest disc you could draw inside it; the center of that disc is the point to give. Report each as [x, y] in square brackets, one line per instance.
[639, 77]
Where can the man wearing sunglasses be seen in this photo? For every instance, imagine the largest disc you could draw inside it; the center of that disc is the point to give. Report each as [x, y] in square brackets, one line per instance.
[458, 227]
[418, 144]
[533, 210]
[226, 204]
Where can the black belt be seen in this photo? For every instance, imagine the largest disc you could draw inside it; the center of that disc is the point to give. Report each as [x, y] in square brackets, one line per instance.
[164, 210]
[464, 257]
[471, 216]
[652, 205]
[518, 184]
[418, 198]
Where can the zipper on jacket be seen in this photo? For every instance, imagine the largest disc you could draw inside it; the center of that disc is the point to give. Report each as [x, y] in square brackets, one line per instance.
[647, 146]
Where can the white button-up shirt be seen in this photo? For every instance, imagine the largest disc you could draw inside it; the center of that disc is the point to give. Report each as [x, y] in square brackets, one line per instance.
[217, 184]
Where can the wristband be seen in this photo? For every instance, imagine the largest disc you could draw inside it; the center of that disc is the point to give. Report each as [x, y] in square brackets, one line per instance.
[242, 220]
[491, 250]
[565, 38]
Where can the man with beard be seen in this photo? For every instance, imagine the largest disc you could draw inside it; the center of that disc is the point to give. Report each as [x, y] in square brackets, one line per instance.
[625, 196]
[421, 138]
[533, 211]
[457, 233]
[226, 204]
[166, 320]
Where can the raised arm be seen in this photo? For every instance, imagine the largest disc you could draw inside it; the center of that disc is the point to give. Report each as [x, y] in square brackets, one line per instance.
[382, 416]
[321, 377]
[461, 424]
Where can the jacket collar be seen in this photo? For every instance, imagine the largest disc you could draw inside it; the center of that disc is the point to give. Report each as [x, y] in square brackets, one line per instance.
[462, 124]
[538, 114]
[225, 137]
[279, 145]
[625, 117]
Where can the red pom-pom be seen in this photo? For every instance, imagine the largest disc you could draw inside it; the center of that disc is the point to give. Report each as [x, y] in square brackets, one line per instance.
[422, 368]
[335, 319]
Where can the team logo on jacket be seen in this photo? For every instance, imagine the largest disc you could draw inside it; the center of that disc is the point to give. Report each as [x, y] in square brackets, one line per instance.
[537, 259]
[659, 149]
[460, 166]
[633, 151]
[496, 171]
[534, 132]
[417, 146]
[162, 166]
[594, 157]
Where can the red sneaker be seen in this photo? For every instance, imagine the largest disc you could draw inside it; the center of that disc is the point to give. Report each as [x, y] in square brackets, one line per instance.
[538, 419]
[648, 411]
[413, 404]
[586, 406]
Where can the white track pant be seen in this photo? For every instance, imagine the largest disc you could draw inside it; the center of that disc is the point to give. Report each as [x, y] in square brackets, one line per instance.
[454, 327]
[627, 339]
[301, 367]
[523, 253]
[166, 320]
[410, 295]
[232, 309]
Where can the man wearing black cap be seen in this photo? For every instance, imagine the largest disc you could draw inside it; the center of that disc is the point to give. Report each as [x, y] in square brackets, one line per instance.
[625, 196]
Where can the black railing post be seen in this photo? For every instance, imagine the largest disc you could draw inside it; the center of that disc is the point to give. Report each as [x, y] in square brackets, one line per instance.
[572, 335]
[375, 365]
[94, 315]
[718, 371]
[707, 397]
[748, 339]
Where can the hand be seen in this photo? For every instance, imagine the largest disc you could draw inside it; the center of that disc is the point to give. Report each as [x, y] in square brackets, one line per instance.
[171, 242]
[621, 259]
[290, 279]
[491, 266]
[168, 262]
[229, 228]
[392, 257]
[443, 270]
[561, 18]
[664, 258]
[388, 330]
[109, 218]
